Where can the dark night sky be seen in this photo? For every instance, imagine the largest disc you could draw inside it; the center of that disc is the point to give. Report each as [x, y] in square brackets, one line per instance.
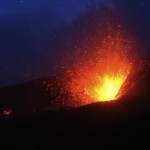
[26, 26]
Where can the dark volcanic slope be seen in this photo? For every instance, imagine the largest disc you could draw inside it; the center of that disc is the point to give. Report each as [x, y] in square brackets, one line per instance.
[126, 118]
[25, 97]
[33, 96]
[41, 94]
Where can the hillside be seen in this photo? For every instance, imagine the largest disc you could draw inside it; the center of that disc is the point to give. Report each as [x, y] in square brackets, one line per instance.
[34, 121]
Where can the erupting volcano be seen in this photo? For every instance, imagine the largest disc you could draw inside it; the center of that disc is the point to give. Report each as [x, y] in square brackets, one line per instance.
[98, 83]
[98, 75]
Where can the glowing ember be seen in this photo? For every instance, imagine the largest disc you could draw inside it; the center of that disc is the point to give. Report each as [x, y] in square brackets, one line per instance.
[7, 112]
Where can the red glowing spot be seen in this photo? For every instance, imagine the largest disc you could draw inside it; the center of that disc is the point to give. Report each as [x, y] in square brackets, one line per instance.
[7, 112]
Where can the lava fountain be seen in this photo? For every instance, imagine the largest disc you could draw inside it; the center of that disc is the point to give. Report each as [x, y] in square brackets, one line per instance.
[109, 87]
[99, 74]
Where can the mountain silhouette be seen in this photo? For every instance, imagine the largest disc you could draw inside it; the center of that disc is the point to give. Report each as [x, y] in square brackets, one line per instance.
[35, 121]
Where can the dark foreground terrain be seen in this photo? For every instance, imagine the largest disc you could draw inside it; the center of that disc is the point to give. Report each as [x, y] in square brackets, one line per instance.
[125, 120]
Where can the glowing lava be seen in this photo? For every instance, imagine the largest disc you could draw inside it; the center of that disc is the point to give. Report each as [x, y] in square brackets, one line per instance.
[7, 112]
[109, 89]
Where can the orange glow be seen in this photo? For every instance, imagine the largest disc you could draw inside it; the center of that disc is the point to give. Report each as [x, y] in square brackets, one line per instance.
[108, 89]
[99, 75]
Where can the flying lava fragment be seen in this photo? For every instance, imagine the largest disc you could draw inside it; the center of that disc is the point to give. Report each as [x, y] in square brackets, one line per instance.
[7, 112]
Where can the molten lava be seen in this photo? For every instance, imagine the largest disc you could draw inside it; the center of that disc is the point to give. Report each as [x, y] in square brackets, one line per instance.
[109, 88]
[99, 75]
